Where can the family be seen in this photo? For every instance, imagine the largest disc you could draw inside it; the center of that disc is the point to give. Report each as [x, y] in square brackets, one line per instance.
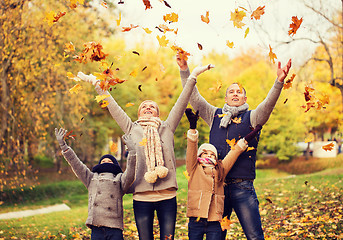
[221, 177]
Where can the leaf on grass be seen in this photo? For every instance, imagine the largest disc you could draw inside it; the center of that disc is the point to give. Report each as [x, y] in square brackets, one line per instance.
[289, 81]
[229, 44]
[143, 142]
[182, 53]
[225, 223]
[101, 97]
[272, 56]
[237, 18]
[205, 18]
[162, 41]
[172, 17]
[328, 147]
[129, 104]
[126, 29]
[147, 4]
[258, 13]
[236, 120]
[294, 26]
[75, 89]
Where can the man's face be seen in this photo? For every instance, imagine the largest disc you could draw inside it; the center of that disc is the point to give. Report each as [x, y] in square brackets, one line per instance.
[148, 109]
[235, 96]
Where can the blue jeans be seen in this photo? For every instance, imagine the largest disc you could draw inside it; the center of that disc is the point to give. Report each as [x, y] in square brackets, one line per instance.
[197, 229]
[241, 197]
[106, 233]
[144, 217]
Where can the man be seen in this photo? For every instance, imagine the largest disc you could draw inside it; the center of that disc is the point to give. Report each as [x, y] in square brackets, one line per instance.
[240, 194]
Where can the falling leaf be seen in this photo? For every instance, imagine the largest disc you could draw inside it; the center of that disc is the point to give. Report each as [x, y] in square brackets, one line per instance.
[75, 89]
[237, 18]
[229, 44]
[113, 147]
[147, 30]
[137, 53]
[133, 73]
[289, 81]
[172, 17]
[70, 135]
[69, 47]
[294, 26]
[328, 147]
[104, 4]
[272, 56]
[231, 142]
[199, 46]
[129, 104]
[51, 17]
[162, 41]
[250, 149]
[92, 52]
[225, 223]
[126, 29]
[164, 28]
[185, 173]
[119, 19]
[182, 54]
[147, 4]
[285, 101]
[103, 104]
[206, 18]
[72, 77]
[108, 79]
[309, 139]
[120, 2]
[143, 142]
[140, 87]
[144, 68]
[222, 115]
[73, 3]
[165, 3]
[236, 120]
[257, 13]
[246, 32]
[101, 97]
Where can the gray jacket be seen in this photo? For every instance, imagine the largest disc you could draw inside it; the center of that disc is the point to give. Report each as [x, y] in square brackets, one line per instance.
[105, 191]
[166, 131]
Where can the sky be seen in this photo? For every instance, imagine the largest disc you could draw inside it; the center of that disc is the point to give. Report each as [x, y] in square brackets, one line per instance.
[213, 36]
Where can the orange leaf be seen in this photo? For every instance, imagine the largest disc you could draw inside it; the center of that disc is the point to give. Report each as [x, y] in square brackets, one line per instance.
[69, 47]
[288, 83]
[250, 148]
[104, 4]
[225, 223]
[93, 52]
[126, 29]
[113, 147]
[237, 18]
[172, 17]
[183, 54]
[328, 147]
[272, 56]
[257, 13]
[229, 44]
[206, 18]
[294, 26]
[147, 4]
[70, 135]
[129, 104]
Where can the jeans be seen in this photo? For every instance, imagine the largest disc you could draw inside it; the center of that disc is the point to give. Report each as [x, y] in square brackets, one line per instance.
[241, 197]
[144, 217]
[197, 228]
[106, 233]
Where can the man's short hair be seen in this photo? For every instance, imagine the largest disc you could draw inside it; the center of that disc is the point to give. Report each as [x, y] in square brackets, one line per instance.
[240, 85]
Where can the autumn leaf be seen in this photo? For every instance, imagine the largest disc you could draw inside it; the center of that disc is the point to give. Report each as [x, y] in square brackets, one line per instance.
[225, 223]
[231, 142]
[119, 19]
[135, 52]
[101, 97]
[222, 115]
[236, 120]
[229, 44]
[143, 142]
[73, 3]
[147, 4]
[237, 18]
[113, 147]
[69, 47]
[108, 78]
[257, 13]
[250, 149]
[294, 26]
[147, 30]
[162, 41]
[104, 4]
[72, 77]
[133, 73]
[70, 135]
[182, 54]
[103, 104]
[140, 87]
[165, 28]
[328, 147]
[172, 17]
[205, 18]
[199, 46]
[246, 32]
[51, 17]
[126, 29]
[129, 104]
[272, 56]
[75, 89]
[92, 52]
[309, 139]
[185, 173]
[289, 81]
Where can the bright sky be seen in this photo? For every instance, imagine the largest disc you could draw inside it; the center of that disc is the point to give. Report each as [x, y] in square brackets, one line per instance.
[213, 36]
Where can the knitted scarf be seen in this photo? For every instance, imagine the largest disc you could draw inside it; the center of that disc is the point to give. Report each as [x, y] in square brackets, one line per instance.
[231, 112]
[207, 161]
[152, 149]
[107, 167]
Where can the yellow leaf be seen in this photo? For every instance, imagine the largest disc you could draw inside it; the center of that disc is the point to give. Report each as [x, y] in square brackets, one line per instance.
[101, 97]
[129, 104]
[206, 18]
[231, 142]
[119, 19]
[173, 17]
[113, 147]
[50, 17]
[246, 32]
[237, 18]
[229, 44]
[272, 55]
[186, 174]
[72, 77]
[250, 148]
[222, 115]
[133, 73]
[143, 142]
[75, 89]
[103, 104]
[309, 139]
[147, 30]
[236, 120]
[162, 41]
[225, 223]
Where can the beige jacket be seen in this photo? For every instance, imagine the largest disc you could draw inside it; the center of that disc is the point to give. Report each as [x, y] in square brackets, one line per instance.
[205, 192]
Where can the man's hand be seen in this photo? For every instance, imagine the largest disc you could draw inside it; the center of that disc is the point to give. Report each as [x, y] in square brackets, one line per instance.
[87, 78]
[181, 62]
[200, 69]
[282, 72]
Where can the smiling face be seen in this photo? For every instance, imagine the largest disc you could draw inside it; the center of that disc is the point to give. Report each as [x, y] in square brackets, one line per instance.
[148, 109]
[208, 154]
[235, 95]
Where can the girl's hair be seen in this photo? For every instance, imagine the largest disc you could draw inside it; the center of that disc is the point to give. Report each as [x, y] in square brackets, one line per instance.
[220, 169]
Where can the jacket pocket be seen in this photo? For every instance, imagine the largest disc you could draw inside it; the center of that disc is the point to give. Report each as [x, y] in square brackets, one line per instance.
[220, 203]
[194, 199]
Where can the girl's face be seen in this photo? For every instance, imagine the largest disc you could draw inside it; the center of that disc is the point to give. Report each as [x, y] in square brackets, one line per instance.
[148, 109]
[106, 160]
[208, 154]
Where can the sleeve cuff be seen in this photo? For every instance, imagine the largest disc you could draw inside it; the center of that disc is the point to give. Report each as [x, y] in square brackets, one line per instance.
[193, 136]
[278, 84]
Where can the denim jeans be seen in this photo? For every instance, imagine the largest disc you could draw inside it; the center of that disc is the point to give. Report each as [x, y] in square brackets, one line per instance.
[197, 228]
[106, 233]
[241, 197]
[144, 217]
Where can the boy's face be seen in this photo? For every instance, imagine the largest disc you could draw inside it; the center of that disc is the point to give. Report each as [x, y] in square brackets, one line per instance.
[208, 154]
[106, 160]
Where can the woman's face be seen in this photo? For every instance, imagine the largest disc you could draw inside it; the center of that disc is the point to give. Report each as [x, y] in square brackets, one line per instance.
[208, 154]
[148, 109]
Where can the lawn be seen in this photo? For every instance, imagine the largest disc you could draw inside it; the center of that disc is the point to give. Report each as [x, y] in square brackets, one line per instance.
[307, 206]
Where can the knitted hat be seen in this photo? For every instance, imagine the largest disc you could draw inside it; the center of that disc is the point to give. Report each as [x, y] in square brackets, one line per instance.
[114, 160]
[207, 146]
[108, 167]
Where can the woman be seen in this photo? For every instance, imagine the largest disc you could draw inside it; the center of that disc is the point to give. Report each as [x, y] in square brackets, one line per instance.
[154, 188]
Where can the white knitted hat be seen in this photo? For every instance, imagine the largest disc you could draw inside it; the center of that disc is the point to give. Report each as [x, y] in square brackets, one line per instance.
[207, 146]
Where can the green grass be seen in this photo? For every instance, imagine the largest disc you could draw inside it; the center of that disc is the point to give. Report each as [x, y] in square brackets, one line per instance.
[305, 206]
